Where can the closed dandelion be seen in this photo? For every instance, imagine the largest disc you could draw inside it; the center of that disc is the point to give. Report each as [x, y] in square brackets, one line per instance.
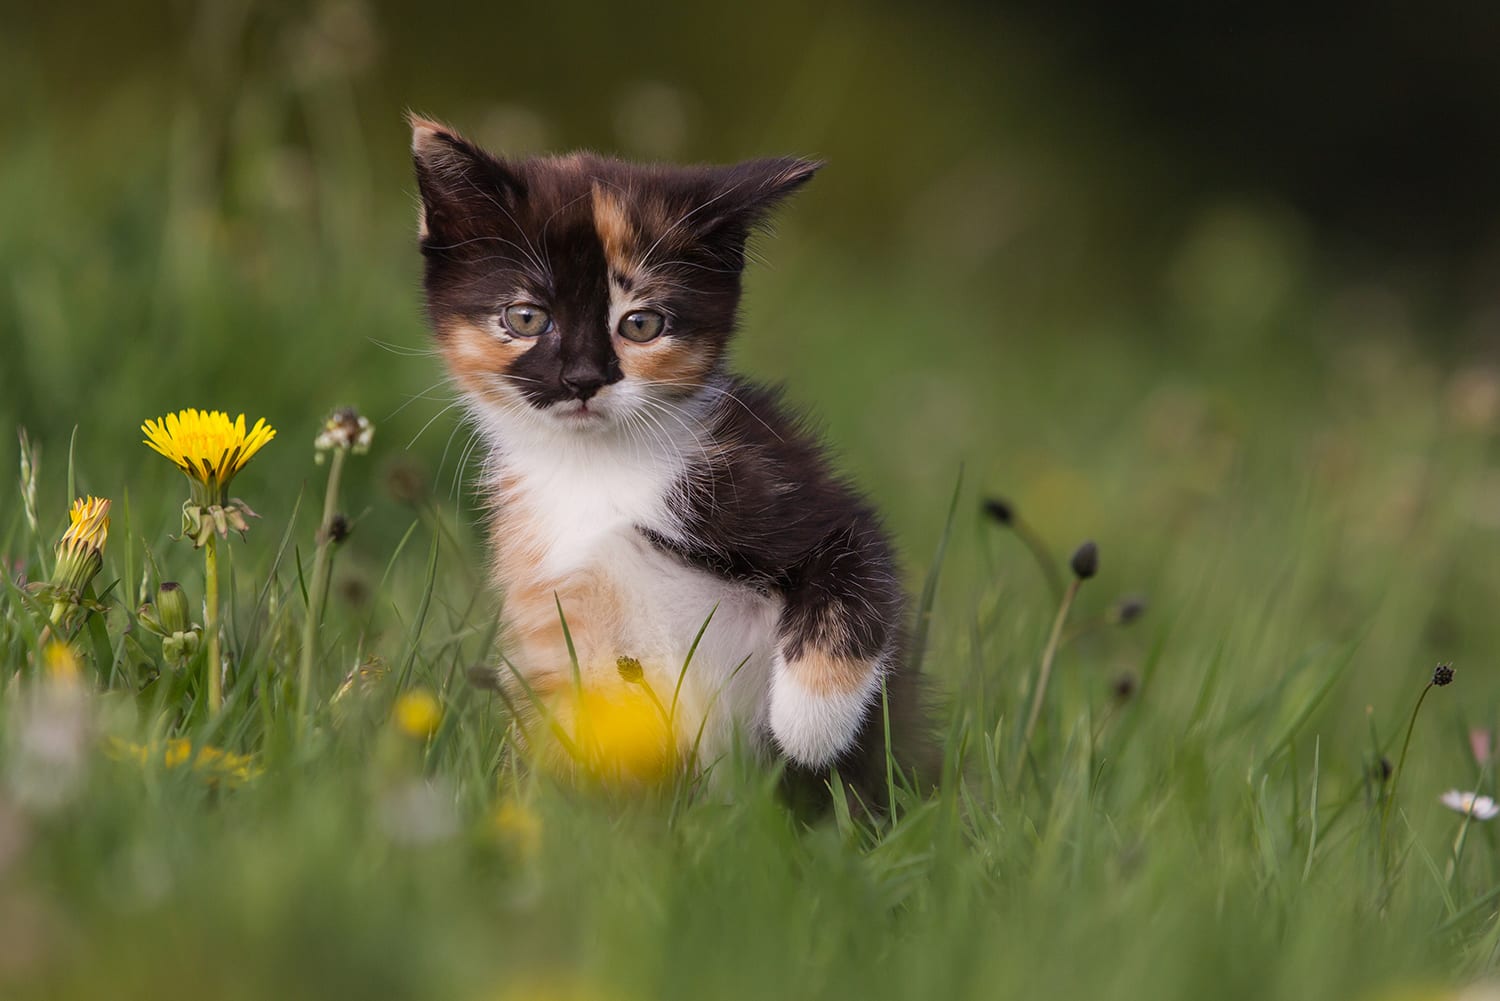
[80, 556]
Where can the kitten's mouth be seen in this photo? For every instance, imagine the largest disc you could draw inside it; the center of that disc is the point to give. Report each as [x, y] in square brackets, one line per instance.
[579, 414]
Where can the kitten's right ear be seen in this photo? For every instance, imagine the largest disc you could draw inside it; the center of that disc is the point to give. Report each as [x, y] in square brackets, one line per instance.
[459, 182]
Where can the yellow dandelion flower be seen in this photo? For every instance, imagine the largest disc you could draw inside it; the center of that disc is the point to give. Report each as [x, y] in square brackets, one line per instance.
[205, 444]
[417, 713]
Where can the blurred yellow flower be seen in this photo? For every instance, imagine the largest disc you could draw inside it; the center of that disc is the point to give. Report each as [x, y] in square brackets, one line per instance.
[417, 713]
[206, 445]
[60, 663]
[515, 823]
[621, 735]
[213, 764]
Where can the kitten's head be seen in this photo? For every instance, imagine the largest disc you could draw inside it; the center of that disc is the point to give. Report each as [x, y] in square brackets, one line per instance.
[578, 291]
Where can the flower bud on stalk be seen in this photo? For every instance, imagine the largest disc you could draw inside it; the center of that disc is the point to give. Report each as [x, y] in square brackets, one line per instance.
[171, 619]
[80, 554]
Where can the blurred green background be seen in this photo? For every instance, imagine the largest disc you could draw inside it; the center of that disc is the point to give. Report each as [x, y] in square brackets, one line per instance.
[1214, 288]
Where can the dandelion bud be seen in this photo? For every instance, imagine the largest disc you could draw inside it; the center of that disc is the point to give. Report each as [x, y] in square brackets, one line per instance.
[999, 509]
[631, 671]
[179, 648]
[147, 616]
[1085, 561]
[1442, 675]
[80, 553]
[172, 610]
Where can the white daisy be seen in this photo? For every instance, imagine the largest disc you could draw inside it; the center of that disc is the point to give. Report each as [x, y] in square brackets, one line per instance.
[1470, 803]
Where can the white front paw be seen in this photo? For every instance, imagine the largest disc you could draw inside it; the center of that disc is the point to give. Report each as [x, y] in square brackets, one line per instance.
[815, 723]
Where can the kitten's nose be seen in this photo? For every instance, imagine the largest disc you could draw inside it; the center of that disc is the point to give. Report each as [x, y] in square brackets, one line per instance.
[583, 384]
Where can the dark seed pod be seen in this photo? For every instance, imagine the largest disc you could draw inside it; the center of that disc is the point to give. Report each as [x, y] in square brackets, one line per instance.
[999, 510]
[339, 528]
[1442, 675]
[1129, 609]
[1085, 561]
[1124, 687]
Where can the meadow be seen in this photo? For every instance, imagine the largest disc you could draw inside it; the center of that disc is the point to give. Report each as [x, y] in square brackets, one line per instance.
[1289, 476]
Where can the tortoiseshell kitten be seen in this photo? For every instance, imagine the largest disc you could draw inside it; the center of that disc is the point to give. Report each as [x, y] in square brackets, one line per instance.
[584, 306]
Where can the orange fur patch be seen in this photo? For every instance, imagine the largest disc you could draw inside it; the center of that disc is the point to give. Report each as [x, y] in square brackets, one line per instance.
[824, 674]
[475, 356]
[534, 638]
[667, 360]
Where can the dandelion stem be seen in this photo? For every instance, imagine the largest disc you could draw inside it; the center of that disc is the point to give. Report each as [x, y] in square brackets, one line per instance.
[316, 595]
[1049, 656]
[215, 665]
[1390, 792]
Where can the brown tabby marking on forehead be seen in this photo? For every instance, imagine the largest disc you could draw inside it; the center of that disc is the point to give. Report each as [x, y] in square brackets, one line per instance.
[612, 222]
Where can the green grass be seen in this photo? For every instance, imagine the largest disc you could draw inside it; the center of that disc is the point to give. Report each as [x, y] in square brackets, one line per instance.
[1306, 494]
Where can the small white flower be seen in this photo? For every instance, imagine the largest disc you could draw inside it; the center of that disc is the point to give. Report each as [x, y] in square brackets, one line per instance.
[1472, 804]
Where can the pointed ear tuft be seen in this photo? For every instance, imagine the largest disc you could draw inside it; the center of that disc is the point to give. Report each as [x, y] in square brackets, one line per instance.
[458, 181]
[749, 192]
[428, 135]
[786, 174]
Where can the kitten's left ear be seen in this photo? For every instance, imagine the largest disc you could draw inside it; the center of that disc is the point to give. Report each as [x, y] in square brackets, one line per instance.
[458, 182]
[748, 192]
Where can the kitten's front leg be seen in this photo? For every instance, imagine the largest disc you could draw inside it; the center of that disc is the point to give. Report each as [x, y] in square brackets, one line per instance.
[819, 702]
[835, 645]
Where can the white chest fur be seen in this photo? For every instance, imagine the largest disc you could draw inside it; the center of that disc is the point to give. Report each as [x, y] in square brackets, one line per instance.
[568, 531]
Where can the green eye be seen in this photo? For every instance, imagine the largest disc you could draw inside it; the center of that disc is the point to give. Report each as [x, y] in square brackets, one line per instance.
[525, 320]
[642, 325]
